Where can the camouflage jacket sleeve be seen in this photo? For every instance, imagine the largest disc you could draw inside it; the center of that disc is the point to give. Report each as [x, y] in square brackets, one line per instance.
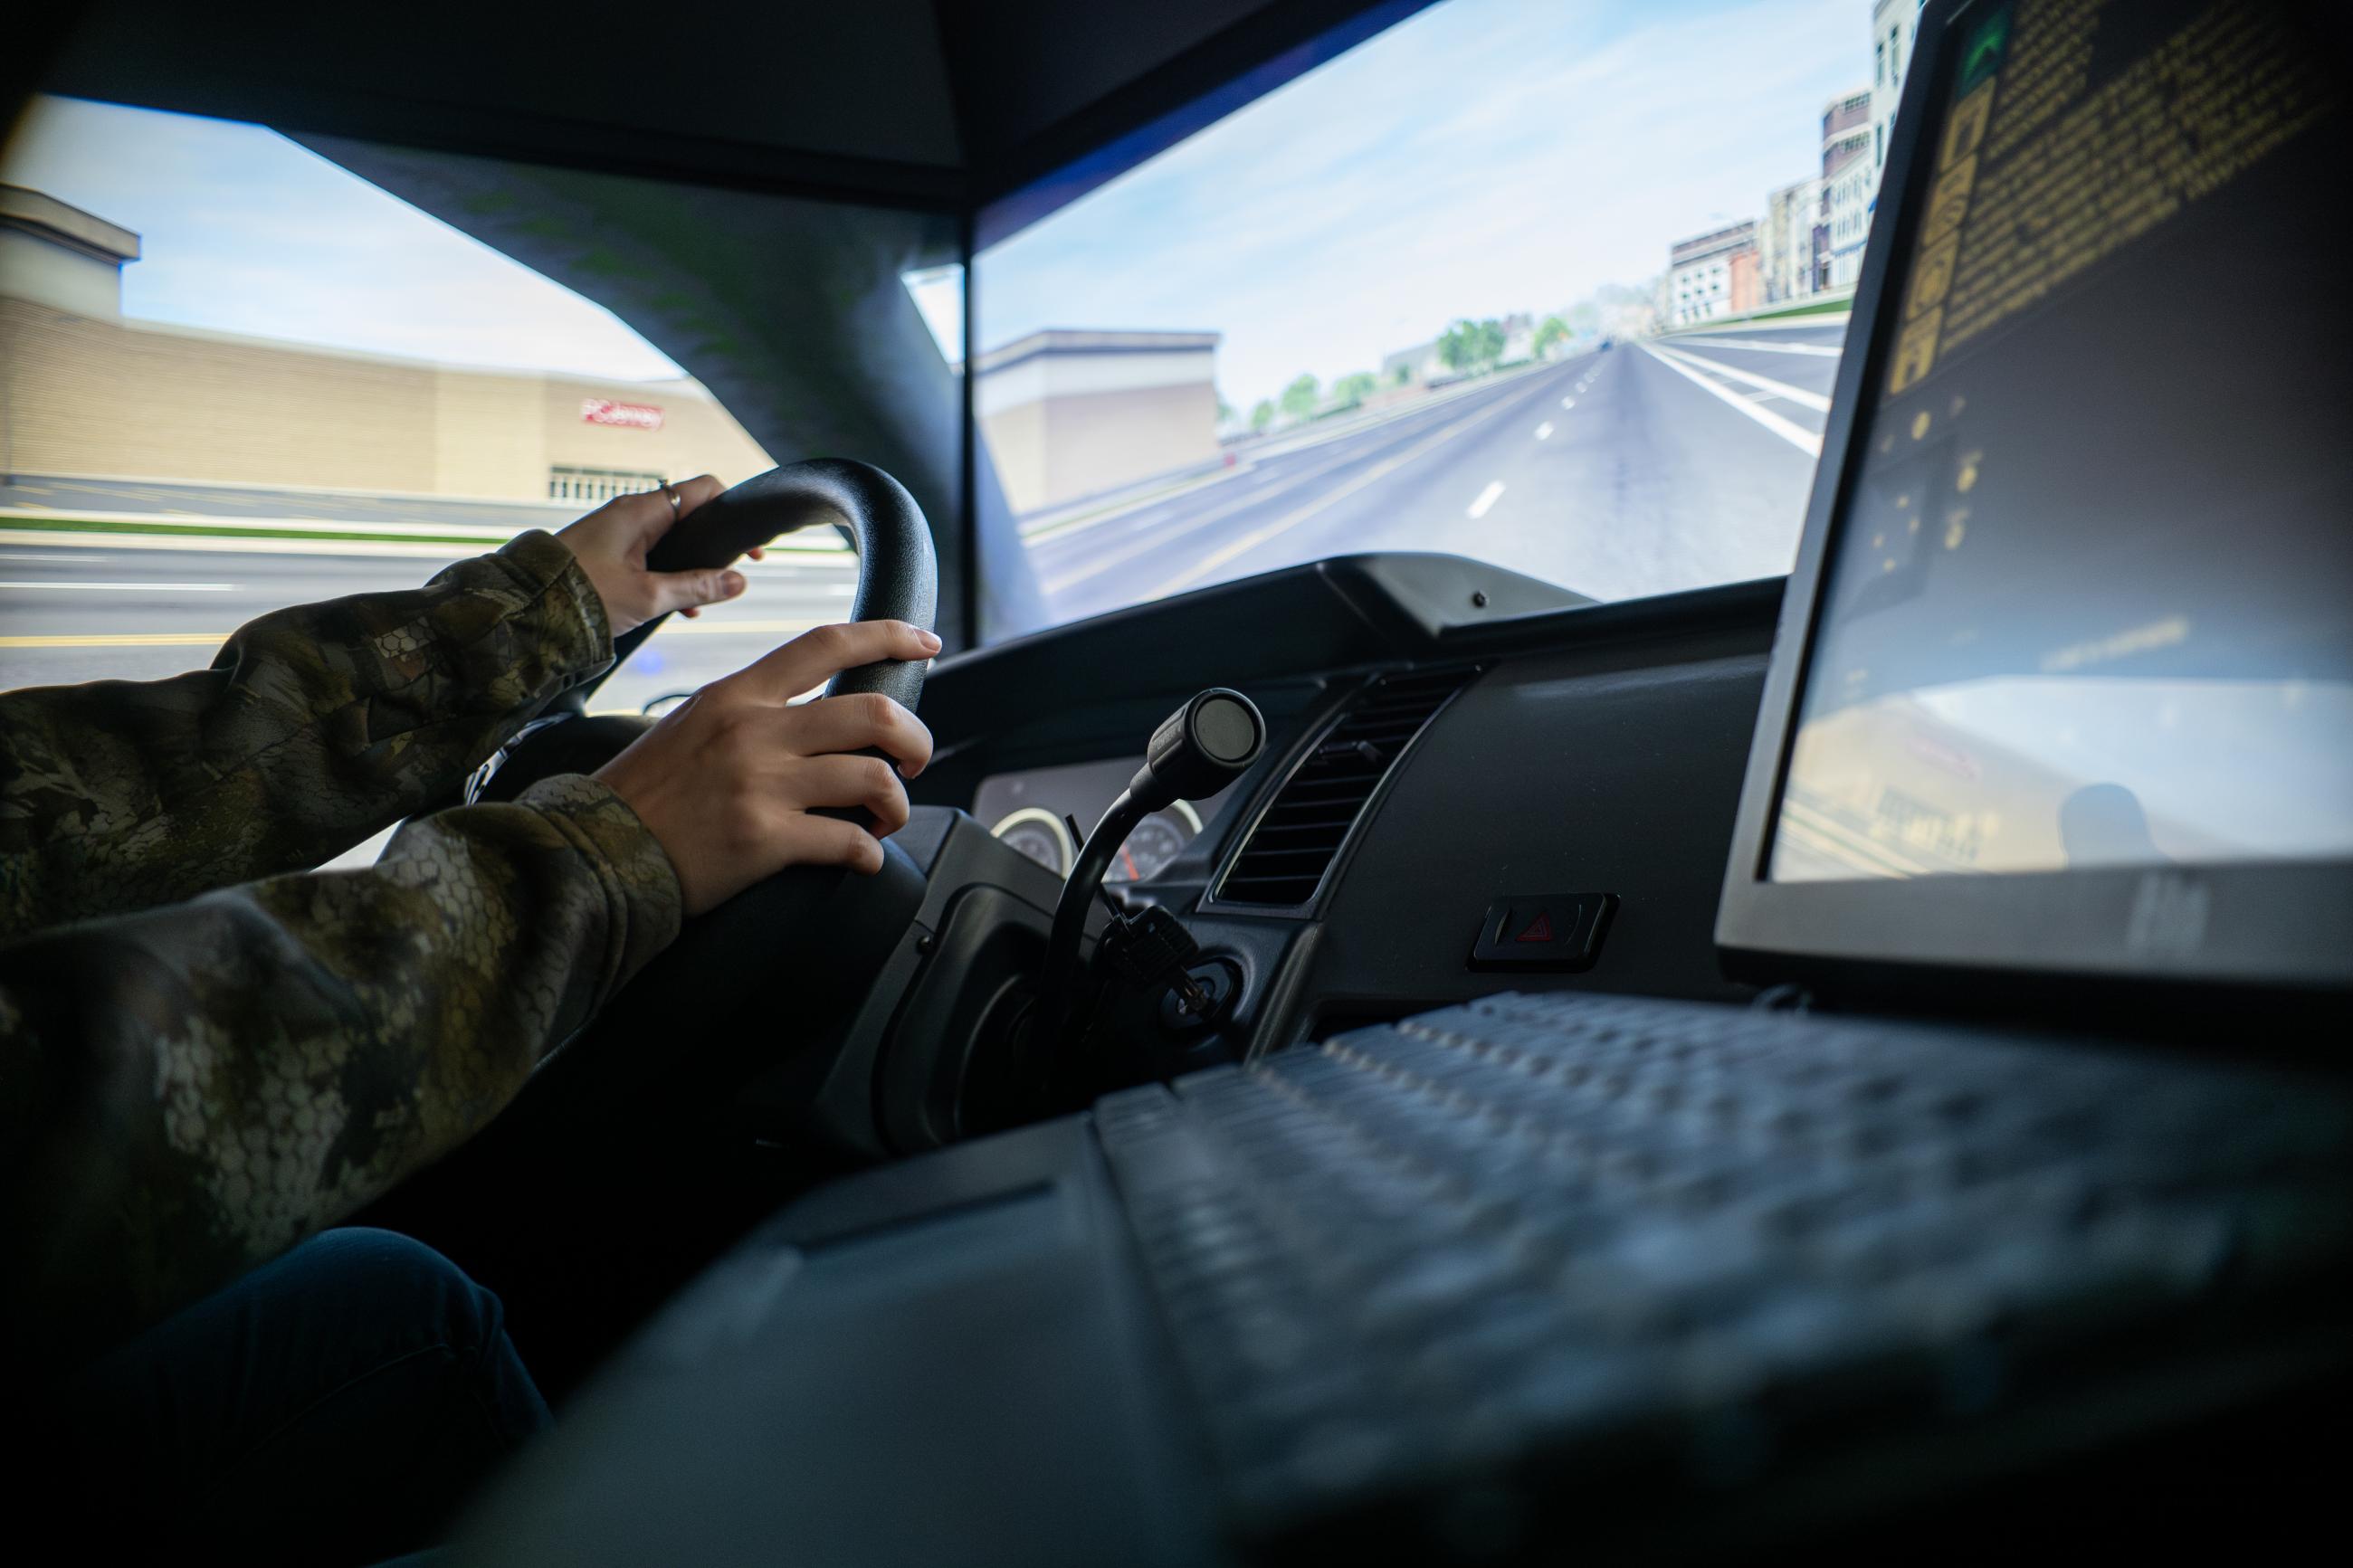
[316, 727]
[188, 1090]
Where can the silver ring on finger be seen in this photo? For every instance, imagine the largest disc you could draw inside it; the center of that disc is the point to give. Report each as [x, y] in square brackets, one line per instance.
[677, 506]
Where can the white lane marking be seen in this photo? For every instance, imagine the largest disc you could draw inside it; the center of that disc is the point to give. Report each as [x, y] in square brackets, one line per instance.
[35, 556]
[1747, 347]
[1355, 453]
[1797, 394]
[1249, 542]
[1487, 498]
[1797, 436]
[1543, 431]
[129, 587]
[1568, 403]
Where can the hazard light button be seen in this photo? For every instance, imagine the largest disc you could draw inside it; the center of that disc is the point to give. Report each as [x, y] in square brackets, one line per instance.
[1543, 931]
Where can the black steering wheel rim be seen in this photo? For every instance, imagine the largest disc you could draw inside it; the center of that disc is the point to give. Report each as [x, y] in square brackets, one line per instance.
[898, 574]
[898, 579]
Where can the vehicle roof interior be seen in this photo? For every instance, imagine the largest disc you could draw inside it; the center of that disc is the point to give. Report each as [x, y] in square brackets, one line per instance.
[942, 105]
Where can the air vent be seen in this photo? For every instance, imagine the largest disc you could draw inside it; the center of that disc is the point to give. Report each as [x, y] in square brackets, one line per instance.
[1292, 845]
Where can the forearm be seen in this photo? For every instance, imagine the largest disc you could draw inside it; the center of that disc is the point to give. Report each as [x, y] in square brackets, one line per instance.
[316, 726]
[192, 1089]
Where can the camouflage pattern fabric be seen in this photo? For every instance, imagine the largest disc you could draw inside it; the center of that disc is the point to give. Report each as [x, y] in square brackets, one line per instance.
[195, 1074]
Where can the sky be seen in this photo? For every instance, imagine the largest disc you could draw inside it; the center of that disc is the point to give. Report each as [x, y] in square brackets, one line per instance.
[243, 231]
[1483, 157]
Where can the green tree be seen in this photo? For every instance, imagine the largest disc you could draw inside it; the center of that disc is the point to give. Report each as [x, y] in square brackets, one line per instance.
[1470, 345]
[1457, 346]
[1552, 332]
[1299, 398]
[1354, 388]
[1225, 410]
[1262, 416]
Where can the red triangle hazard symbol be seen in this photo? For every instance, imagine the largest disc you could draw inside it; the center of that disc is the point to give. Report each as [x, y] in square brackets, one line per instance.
[1539, 928]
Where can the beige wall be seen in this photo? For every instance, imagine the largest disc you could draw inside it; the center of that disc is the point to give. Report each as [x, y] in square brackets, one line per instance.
[59, 275]
[1097, 440]
[1060, 449]
[1017, 449]
[85, 396]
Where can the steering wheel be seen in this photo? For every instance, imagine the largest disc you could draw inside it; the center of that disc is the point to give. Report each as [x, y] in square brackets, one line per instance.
[815, 935]
[898, 580]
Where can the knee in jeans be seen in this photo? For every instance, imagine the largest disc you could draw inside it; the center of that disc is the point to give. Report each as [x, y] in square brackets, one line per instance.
[415, 1284]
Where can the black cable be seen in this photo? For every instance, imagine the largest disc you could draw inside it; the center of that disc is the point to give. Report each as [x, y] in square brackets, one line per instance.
[1059, 990]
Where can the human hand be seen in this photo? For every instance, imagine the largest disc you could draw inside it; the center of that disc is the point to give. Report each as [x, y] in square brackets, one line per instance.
[730, 781]
[611, 544]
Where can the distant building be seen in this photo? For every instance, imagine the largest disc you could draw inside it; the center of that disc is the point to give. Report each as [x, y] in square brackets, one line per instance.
[1894, 24]
[1747, 280]
[1849, 181]
[1701, 274]
[1786, 244]
[1072, 413]
[85, 393]
[1416, 366]
[1519, 338]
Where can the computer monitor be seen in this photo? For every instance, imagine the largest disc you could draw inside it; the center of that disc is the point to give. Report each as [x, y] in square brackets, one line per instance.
[2065, 675]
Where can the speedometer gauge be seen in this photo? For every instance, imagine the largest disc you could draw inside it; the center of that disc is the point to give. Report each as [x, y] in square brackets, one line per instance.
[1157, 840]
[1038, 834]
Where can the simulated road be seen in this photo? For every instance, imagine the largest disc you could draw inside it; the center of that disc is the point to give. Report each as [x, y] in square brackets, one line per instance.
[71, 613]
[1644, 469]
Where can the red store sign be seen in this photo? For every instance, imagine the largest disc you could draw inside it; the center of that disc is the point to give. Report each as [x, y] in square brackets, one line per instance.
[629, 416]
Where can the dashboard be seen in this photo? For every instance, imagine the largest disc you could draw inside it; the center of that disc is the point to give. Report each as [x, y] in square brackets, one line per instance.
[1034, 811]
[1594, 749]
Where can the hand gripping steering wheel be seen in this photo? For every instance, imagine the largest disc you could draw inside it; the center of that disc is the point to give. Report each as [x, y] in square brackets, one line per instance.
[898, 580]
[770, 972]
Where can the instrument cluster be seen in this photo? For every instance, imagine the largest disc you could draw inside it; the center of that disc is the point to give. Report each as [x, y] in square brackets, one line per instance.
[1032, 811]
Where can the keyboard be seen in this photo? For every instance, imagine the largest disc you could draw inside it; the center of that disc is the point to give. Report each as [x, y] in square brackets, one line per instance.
[1618, 1244]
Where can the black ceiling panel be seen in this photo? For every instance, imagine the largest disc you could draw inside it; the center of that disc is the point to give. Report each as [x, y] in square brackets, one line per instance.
[943, 104]
[845, 96]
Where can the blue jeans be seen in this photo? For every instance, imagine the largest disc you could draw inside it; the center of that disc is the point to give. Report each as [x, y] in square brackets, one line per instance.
[335, 1405]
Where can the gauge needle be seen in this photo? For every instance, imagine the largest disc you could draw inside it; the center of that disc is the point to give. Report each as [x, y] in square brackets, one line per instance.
[1132, 873]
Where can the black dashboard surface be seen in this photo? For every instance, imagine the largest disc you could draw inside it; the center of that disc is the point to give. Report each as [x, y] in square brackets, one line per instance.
[1599, 749]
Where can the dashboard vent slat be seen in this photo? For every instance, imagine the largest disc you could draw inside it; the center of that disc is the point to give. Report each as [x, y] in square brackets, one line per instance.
[1290, 847]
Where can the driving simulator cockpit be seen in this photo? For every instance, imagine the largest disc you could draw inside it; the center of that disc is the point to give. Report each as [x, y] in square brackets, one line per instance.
[1639, 840]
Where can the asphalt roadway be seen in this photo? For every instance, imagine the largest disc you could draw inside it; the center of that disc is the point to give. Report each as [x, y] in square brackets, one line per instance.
[1638, 470]
[76, 613]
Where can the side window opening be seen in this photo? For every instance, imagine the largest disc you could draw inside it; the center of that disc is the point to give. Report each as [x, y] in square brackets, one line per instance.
[238, 371]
